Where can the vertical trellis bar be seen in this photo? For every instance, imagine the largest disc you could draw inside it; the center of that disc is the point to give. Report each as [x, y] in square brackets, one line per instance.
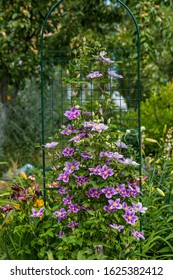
[139, 99]
[42, 94]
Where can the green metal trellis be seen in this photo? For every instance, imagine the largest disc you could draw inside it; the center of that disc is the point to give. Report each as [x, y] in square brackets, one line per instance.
[52, 89]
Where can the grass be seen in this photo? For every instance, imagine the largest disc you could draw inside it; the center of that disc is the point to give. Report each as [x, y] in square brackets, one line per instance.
[4, 185]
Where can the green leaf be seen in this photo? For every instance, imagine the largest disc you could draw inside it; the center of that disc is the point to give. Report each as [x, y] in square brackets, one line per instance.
[169, 236]
[164, 250]
[91, 212]
[50, 255]
[170, 219]
[80, 256]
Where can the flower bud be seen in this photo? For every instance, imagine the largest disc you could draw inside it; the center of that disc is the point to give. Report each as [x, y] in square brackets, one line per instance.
[142, 128]
[77, 106]
[128, 131]
[160, 192]
[74, 93]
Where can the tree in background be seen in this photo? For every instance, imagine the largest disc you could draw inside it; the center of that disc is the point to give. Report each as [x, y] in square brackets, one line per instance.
[106, 21]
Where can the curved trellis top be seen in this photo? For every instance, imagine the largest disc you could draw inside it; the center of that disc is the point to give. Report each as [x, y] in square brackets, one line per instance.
[119, 1]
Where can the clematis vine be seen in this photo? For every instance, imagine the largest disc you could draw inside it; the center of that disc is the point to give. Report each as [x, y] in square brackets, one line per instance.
[119, 228]
[130, 217]
[68, 152]
[114, 75]
[97, 178]
[138, 235]
[94, 75]
[104, 172]
[109, 191]
[61, 214]
[51, 145]
[36, 213]
[73, 113]
[64, 177]
[71, 166]
[72, 225]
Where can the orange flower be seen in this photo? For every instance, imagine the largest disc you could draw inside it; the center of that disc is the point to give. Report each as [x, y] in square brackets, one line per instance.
[39, 203]
[17, 207]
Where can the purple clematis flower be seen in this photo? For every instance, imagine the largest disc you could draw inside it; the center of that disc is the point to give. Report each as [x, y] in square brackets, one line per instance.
[68, 130]
[107, 162]
[116, 188]
[123, 192]
[130, 217]
[109, 192]
[68, 152]
[78, 137]
[73, 113]
[81, 180]
[67, 200]
[88, 124]
[70, 167]
[121, 145]
[87, 113]
[114, 75]
[94, 75]
[138, 235]
[104, 172]
[109, 208]
[126, 207]
[115, 203]
[61, 234]
[73, 208]
[118, 157]
[61, 214]
[93, 192]
[64, 177]
[106, 154]
[107, 60]
[138, 207]
[72, 224]
[132, 162]
[99, 127]
[134, 189]
[94, 170]
[62, 190]
[86, 155]
[51, 145]
[36, 213]
[119, 228]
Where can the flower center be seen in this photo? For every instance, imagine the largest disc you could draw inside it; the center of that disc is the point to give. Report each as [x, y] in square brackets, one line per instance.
[97, 126]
